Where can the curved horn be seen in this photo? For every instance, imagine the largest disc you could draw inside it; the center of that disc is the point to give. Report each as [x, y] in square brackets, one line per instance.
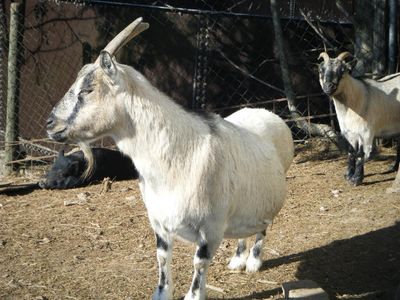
[324, 55]
[342, 56]
[125, 36]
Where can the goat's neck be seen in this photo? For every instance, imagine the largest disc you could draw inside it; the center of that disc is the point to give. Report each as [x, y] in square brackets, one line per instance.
[350, 93]
[159, 135]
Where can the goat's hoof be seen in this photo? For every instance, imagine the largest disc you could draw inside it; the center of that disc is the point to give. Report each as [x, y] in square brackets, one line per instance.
[237, 262]
[253, 264]
[196, 295]
[356, 181]
[162, 293]
[393, 169]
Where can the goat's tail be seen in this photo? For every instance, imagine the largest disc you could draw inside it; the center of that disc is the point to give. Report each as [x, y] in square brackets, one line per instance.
[87, 152]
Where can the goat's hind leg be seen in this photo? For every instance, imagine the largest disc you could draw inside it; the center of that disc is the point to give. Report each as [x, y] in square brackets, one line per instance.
[254, 260]
[164, 291]
[238, 261]
[395, 166]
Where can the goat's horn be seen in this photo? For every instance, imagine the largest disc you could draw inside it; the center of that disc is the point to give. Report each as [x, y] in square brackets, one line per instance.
[126, 35]
[324, 55]
[342, 56]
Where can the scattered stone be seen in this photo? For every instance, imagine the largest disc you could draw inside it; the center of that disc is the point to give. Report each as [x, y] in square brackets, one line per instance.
[323, 208]
[41, 298]
[303, 290]
[126, 189]
[2, 243]
[131, 199]
[83, 196]
[336, 193]
[392, 190]
[82, 199]
[78, 257]
[44, 241]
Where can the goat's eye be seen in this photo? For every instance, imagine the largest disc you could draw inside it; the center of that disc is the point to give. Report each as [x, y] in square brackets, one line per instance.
[85, 92]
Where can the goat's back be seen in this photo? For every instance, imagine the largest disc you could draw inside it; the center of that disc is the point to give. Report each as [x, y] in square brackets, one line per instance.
[270, 127]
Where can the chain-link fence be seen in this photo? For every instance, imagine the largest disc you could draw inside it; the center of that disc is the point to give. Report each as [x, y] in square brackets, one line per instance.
[207, 55]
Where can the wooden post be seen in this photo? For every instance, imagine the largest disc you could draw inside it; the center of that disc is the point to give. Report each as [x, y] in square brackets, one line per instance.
[3, 69]
[17, 13]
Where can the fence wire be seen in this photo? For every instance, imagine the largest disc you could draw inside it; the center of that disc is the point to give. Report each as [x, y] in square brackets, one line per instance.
[206, 55]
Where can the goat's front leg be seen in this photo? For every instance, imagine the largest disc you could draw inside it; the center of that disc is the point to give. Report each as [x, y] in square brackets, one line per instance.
[351, 162]
[165, 287]
[204, 253]
[358, 176]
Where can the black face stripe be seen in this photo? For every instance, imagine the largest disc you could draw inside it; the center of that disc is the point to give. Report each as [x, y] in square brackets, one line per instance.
[87, 82]
[77, 106]
[161, 244]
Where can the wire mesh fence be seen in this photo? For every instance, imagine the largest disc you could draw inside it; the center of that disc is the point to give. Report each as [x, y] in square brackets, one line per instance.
[206, 55]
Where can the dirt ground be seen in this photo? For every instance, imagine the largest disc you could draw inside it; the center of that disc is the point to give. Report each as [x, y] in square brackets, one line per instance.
[345, 238]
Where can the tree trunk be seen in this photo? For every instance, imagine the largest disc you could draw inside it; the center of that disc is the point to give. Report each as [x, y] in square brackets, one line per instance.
[310, 128]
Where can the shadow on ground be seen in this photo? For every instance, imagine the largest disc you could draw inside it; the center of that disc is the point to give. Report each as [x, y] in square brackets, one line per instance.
[362, 267]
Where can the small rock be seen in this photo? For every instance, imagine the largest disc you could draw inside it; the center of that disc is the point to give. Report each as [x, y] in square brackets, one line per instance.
[44, 241]
[78, 257]
[131, 198]
[83, 196]
[126, 189]
[2, 243]
[323, 208]
[41, 298]
[336, 193]
[304, 290]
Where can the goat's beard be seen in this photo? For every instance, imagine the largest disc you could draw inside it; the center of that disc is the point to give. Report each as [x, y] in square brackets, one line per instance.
[88, 154]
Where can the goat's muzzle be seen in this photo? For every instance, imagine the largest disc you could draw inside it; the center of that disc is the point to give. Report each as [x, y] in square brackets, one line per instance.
[329, 88]
[55, 130]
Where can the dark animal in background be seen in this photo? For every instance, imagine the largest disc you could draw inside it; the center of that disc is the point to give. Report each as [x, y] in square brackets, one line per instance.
[67, 171]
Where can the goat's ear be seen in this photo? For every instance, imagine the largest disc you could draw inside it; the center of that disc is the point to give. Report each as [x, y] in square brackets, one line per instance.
[351, 64]
[107, 64]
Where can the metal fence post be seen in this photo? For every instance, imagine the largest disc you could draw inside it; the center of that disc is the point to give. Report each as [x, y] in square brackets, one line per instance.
[17, 12]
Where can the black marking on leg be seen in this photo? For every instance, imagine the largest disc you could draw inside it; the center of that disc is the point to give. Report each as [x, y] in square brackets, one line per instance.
[351, 162]
[359, 172]
[202, 252]
[256, 250]
[196, 281]
[161, 244]
[163, 280]
[241, 248]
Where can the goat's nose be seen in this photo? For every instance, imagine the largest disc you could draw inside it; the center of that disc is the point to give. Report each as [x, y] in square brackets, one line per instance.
[50, 122]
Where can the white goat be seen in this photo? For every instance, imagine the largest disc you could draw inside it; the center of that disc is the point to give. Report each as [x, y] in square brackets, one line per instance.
[365, 109]
[202, 178]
